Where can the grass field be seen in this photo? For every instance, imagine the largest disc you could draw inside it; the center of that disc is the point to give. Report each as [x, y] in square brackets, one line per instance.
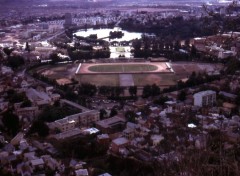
[123, 68]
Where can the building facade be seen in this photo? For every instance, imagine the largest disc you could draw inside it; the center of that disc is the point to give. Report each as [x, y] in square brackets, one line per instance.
[205, 98]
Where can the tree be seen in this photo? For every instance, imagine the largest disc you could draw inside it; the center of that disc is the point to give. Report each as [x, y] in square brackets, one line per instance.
[15, 61]
[193, 51]
[103, 114]
[182, 96]
[113, 112]
[146, 91]
[87, 89]
[15, 97]
[132, 90]
[161, 100]
[237, 100]
[26, 103]
[8, 51]
[11, 122]
[232, 66]
[116, 91]
[40, 128]
[27, 48]
[177, 45]
[130, 116]
[54, 58]
[155, 90]
[104, 90]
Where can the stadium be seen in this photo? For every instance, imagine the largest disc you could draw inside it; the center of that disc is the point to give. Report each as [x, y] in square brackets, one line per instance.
[125, 74]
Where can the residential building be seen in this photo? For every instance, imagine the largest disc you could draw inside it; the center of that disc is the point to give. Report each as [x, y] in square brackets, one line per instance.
[27, 112]
[205, 98]
[111, 125]
[37, 163]
[119, 143]
[81, 172]
[103, 139]
[81, 119]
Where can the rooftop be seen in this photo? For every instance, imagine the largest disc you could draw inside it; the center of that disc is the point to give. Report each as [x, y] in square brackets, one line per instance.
[111, 121]
[207, 92]
[120, 141]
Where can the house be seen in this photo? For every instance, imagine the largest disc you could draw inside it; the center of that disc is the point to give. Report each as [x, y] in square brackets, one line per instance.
[201, 142]
[105, 174]
[37, 163]
[24, 84]
[228, 107]
[81, 172]
[2, 139]
[27, 112]
[68, 134]
[24, 169]
[128, 133]
[50, 162]
[103, 139]
[3, 104]
[55, 97]
[9, 148]
[38, 97]
[119, 143]
[111, 125]
[23, 144]
[156, 139]
[16, 140]
[3, 157]
[228, 95]
[205, 98]
[29, 156]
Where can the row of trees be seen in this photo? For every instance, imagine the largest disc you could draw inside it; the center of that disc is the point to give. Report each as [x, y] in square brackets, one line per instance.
[193, 80]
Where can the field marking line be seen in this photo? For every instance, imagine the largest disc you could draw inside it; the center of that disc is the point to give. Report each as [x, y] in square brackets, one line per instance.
[79, 66]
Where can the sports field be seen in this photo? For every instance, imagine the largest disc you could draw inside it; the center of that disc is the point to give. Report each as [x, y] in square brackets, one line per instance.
[158, 67]
[126, 74]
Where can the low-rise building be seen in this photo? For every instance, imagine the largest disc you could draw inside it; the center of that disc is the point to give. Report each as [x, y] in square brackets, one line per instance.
[81, 172]
[27, 112]
[37, 163]
[81, 119]
[103, 139]
[119, 143]
[111, 125]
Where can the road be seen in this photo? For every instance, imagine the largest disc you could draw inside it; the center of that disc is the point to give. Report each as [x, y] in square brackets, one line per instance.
[54, 36]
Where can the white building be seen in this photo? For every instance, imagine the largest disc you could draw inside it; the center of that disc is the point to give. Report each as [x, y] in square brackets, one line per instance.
[205, 98]
[80, 119]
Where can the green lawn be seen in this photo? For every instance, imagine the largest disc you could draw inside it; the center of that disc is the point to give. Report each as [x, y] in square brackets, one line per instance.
[122, 68]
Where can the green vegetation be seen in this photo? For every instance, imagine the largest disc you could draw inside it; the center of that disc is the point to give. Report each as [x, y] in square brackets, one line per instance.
[11, 122]
[116, 34]
[152, 90]
[52, 113]
[15, 97]
[123, 68]
[40, 128]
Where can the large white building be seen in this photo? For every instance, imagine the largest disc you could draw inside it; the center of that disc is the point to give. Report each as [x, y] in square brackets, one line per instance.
[205, 98]
[80, 119]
